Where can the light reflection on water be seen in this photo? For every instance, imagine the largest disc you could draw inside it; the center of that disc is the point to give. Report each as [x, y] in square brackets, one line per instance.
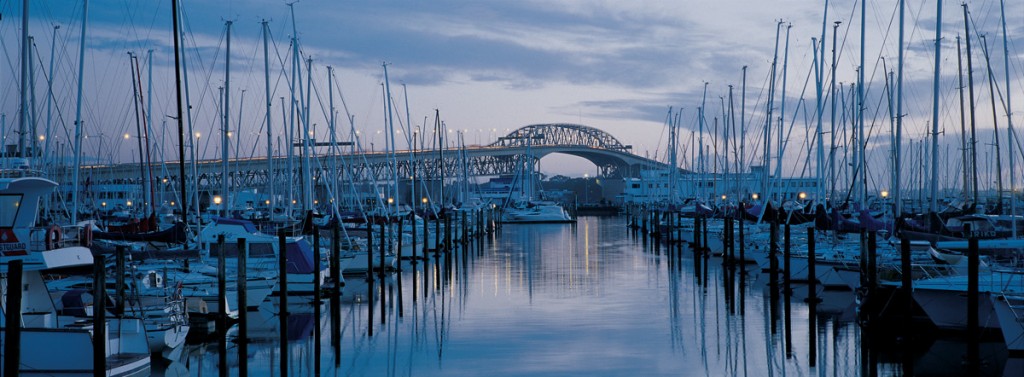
[585, 299]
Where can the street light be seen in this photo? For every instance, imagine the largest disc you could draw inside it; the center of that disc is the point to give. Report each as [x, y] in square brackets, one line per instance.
[217, 199]
[802, 195]
[754, 196]
[885, 194]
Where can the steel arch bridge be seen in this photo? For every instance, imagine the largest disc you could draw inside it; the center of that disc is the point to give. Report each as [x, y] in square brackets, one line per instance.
[506, 156]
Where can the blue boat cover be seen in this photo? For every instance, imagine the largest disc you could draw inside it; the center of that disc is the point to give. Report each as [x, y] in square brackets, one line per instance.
[300, 257]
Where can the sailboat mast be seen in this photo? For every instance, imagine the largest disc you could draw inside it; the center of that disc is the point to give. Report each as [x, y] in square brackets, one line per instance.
[23, 134]
[672, 156]
[225, 127]
[390, 137]
[334, 145]
[819, 137]
[270, 133]
[768, 121]
[410, 136]
[934, 188]
[180, 120]
[307, 143]
[970, 107]
[963, 120]
[78, 107]
[700, 154]
[995, 127]
[440, 153]
[1011, 133]
[49, 102]
[832, 101]
[743, 124]
[897, 195]
[861, 143]
[782, 115]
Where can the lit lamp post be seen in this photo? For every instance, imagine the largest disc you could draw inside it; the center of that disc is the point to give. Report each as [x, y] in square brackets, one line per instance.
[885, 197]
[754, 196]
[218, 200]
[424, 201]
[802, 195]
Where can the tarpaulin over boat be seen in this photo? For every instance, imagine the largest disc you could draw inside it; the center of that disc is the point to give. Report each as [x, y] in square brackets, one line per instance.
[301, 259]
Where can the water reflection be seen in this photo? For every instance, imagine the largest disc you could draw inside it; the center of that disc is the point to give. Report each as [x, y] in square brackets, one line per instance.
[586, 299]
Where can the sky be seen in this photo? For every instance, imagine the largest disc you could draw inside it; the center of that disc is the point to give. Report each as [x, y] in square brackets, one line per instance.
[489, 67]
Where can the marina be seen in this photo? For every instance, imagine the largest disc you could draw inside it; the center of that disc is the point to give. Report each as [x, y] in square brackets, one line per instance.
[526, 189]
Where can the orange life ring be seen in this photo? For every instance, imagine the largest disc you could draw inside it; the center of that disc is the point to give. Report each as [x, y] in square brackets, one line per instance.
[86, 238]
[53, 237]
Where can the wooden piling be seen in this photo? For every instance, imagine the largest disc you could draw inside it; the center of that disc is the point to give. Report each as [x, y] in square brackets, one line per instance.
[99, 317]
[426, 233]
[448, 232]
[12, 347]
[973, 263]
[872, 264]
[707, 250]
[384, 239]
[243, 314]
[369, 251]
[786, 275]
[336, 257]
[380, 272]
[119, 286]
[696, 234]
[222, 309]
[316, 301]
[907, 284]
[282, 281]
[398, 242]
[412, 222]
[812, 261]
[743, 243]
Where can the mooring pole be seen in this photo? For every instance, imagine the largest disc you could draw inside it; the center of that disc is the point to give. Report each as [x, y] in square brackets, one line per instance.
[243, 305]
[12, 347]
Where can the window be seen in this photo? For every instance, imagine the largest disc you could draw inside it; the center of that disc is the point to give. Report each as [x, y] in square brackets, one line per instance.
[261, 250]
[9, 205]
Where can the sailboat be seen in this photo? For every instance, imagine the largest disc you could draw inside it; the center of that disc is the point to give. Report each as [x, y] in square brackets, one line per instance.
[526, 209]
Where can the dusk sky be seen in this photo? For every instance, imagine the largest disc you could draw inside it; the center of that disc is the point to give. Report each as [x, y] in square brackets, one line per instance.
[493, 66]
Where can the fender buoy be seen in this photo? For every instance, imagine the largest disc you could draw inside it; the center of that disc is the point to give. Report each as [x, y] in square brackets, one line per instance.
[86, 238]
[53, 237]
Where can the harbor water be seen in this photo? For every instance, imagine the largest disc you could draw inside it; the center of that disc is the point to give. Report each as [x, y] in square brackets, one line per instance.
[584, 299]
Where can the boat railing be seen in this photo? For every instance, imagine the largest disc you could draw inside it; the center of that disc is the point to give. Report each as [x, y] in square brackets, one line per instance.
[58, 236]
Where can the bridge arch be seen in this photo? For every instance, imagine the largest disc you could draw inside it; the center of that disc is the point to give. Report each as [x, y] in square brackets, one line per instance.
[597, 146]
[561, 134]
